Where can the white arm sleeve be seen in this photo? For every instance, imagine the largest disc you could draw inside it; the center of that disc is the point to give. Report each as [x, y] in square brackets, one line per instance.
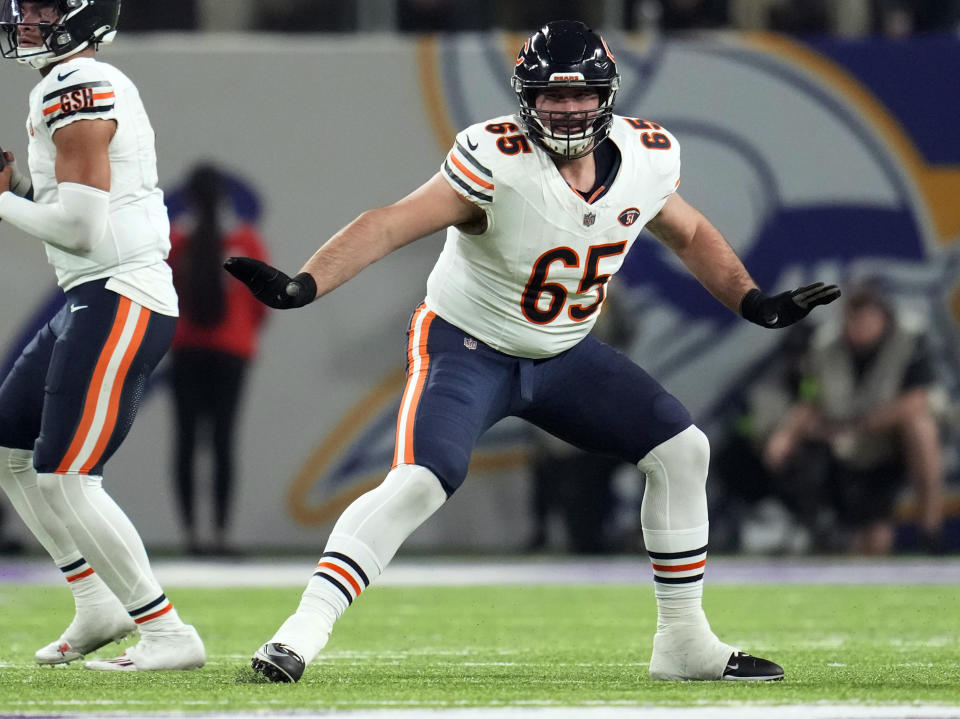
[77, 222]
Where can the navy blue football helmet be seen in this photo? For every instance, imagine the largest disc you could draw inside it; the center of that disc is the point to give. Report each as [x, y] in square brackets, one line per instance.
[565, 53]
[56, 29]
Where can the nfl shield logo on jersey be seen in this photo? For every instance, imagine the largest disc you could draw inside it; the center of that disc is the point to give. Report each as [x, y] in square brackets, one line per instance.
[469, 343]
[589, 218]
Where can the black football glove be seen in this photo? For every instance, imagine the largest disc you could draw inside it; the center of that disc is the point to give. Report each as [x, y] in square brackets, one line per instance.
[271, 286]
[786, 308]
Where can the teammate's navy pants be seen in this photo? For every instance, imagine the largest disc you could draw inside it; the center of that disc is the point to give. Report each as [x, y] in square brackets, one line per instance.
[591, 395]
[73, 393]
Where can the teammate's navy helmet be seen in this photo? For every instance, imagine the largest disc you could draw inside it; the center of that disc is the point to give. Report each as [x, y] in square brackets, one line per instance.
[565, 53]
[73, 26]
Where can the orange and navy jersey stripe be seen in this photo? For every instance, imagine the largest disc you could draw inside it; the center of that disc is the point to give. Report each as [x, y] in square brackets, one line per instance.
[678, 567]
[87, 98]
[468, 175]
[101, 405]
[418, 366]
[343, 573]
[76, 570]
[151, 610]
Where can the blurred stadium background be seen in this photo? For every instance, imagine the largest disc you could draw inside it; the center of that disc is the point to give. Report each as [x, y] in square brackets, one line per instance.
[816, 135]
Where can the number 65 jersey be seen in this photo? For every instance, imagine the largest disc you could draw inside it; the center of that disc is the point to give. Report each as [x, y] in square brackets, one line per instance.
[533, 283]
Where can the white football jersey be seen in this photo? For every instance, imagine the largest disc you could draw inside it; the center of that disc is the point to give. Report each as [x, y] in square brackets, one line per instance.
[137, 237]
[533, 283]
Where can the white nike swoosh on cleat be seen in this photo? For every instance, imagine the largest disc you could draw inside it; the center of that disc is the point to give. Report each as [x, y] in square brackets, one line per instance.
[75, 308]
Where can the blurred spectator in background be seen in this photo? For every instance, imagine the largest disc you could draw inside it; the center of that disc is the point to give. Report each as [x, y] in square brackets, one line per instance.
[216, 338]
[756, 509]
[578, 487]
[442, 15]
[166, 15]
[900, 18]
[512, 15]
[307, 16]
[800, 17]
[676, 15]
[868, 422]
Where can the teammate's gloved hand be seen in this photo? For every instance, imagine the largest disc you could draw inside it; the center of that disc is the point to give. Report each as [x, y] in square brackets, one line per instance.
[786, 308]
[271, 286]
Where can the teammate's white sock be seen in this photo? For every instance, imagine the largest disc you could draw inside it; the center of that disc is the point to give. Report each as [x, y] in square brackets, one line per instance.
[89, 590]
[109, 541]
[363, 541]
[19, 481]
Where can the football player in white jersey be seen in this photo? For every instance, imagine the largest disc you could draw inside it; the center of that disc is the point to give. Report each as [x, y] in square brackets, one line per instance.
[540, 210]
[71, 397]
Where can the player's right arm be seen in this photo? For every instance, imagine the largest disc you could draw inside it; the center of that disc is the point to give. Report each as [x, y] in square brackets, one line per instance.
[79, 111]
[78, 219]
[371, 236]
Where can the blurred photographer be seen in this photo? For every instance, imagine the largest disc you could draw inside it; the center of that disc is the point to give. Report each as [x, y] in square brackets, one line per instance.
[868, 419]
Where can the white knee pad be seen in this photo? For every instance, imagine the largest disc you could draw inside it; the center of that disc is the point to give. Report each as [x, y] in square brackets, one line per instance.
[675, 496]
[385, 516]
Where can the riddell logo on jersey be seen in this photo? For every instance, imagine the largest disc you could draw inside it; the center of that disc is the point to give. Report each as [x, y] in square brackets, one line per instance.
[629, 216]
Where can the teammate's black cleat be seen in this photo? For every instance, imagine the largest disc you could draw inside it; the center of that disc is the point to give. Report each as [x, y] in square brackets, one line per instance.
[278, 663]
[741, 667]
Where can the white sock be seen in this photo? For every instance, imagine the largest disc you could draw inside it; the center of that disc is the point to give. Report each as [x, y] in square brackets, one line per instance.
[89, 590]
[108, 540]
[18, 479]
[362, 543]
[675, 528]
[677, 575]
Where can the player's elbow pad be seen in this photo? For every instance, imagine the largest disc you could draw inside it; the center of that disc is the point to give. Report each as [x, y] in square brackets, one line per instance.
[77, 222]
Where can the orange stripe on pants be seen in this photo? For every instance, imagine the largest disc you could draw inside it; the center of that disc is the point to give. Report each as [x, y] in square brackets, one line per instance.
[113, 406]
[93, 391]
[419, 363]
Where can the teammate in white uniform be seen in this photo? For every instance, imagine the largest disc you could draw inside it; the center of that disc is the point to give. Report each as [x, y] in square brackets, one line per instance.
[541, 209]
[71, 397]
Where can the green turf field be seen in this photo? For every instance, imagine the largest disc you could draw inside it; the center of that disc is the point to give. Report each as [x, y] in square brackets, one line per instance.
[494, 646]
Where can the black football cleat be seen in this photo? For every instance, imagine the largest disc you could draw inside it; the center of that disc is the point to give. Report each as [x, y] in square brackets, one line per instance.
[279, 663]
[742, 667]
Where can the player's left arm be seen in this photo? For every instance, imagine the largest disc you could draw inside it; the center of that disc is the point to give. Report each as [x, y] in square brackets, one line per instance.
[709, 257]
[703, 250]
[79, 218]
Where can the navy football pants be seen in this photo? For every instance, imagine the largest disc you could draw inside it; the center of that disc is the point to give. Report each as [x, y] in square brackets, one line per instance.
[591, 396]
[73, 393]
